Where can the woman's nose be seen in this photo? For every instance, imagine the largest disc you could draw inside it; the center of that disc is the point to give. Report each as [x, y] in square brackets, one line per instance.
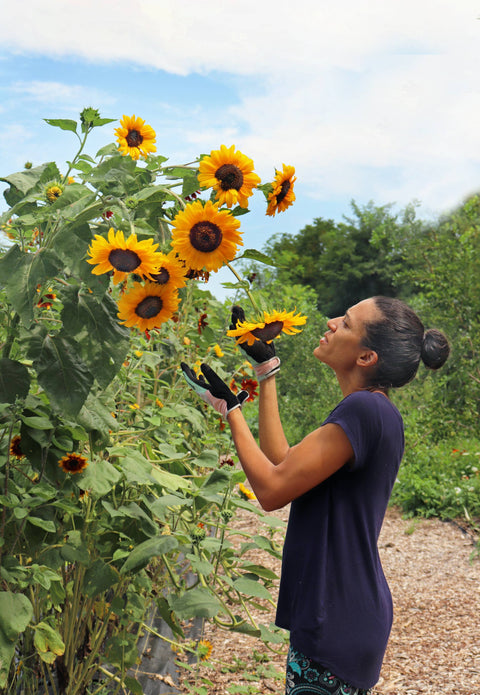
[332, 326]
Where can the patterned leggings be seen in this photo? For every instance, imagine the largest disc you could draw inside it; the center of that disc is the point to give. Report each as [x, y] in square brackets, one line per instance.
[307, 677]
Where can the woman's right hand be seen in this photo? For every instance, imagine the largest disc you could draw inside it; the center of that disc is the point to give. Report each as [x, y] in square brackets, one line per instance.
[261, 355]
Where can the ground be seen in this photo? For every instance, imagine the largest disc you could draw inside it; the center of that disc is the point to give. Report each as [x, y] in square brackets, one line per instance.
[434, 646]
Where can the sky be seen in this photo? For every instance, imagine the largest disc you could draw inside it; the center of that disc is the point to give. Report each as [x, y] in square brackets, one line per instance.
[369, 101]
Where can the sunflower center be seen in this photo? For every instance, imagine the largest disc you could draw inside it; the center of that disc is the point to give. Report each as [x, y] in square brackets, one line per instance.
[283, 191]
[149, 307]
[269, 332]
[134, 138]
[124, 260]
[74, 463]
[205, 236]
[162, 277]
[229, 176]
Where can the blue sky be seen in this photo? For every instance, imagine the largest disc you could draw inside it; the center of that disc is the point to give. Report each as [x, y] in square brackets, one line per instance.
[369, 101]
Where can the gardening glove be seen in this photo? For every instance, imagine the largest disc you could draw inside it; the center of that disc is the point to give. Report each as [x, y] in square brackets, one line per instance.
[261, 355]
[213, 390]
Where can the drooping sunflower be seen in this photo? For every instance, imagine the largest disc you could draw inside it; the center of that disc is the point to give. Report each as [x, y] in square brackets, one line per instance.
[147, 306]
[282, 195]
[205, 649]
[171, 271]
[230, 173]
[16, 448]
[123, 256]
[135, 137]
[206, 237]
[274, 323]
[73, 463]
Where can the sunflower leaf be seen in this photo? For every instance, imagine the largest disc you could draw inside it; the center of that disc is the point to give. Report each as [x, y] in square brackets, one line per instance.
[63, 123]
[21, 273]
[103, 343]
[60, 370]
[255, 255]
[14, 380]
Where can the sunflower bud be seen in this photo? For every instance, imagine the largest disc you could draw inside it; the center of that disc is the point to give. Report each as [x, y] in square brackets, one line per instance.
[88, 118]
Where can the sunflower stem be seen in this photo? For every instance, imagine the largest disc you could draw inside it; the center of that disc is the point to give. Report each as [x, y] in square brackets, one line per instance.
[249, 294]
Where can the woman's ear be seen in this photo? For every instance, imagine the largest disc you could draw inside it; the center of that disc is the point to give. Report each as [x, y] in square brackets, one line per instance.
[368, 358]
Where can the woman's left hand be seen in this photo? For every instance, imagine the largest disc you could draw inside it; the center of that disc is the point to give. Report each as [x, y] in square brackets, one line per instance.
[213, 390]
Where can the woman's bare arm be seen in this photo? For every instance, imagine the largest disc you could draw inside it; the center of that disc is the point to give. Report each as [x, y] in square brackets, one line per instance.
[273, 442]
[315, 458]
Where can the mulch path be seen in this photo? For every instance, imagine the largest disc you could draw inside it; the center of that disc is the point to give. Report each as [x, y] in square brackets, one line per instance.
[434, 646]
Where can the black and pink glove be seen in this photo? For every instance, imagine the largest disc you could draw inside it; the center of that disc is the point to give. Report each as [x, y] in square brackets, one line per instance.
[261, 355]
[213, 390]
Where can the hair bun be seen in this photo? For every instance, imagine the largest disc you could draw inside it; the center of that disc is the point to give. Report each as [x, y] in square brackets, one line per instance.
[435, 349]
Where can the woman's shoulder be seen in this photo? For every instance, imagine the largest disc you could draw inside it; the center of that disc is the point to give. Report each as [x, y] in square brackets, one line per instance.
[366, 403]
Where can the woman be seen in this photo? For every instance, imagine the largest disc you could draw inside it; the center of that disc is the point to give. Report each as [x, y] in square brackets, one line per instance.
[333, 595]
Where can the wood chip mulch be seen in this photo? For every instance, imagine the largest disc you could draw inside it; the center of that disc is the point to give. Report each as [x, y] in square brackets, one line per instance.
[434, 646]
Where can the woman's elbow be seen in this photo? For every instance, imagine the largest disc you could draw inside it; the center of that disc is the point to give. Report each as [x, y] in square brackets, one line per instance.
[270, 502]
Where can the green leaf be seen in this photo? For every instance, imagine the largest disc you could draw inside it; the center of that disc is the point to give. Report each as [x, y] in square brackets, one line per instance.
[37, 422]
[143, 553]
[99, 578]
[132, 685]
[21, 273]
[250, 587]
[61, 371]
[48, 642]
[23, 181]
[260, 571]
[237, 211]
[207, 459]
[99, 478]
[168, 616]
[169, 481]
[16, 611]
[103, 341]
[197, 602]
[255, 255]
[14, 380]
[63, 123]
[45, 524]
[217, 481]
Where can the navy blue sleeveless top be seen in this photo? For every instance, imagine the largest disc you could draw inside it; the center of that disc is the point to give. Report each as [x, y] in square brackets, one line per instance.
[333, 595]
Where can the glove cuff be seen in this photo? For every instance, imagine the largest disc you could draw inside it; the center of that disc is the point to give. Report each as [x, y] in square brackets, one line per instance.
[268, 368]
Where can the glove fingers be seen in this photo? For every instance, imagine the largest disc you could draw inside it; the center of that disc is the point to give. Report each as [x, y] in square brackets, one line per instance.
[211, 376]
[242, 397]
[190, 375]
[238, 315]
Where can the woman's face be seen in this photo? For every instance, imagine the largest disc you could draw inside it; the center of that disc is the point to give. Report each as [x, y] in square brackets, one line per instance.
[342, 345]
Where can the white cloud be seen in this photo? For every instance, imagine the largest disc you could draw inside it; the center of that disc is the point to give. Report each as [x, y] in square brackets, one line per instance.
[368, 99]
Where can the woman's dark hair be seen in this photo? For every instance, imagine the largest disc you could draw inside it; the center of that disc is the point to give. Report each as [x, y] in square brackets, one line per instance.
[400, 341]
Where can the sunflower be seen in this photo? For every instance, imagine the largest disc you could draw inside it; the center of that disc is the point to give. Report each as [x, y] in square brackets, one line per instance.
[206, 237]
[245, 492]
[73, 463]
[123, 256]
[147, 306]
[135, 138]
[272, 325]
[16, 448]
[171, 271]
[230, 173]
[53, 191]
[205, 649]
[282, 195]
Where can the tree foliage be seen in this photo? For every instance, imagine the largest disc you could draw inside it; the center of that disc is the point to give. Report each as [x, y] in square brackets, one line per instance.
[351, 260]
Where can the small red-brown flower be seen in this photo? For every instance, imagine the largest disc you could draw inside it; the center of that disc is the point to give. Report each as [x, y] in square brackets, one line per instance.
[73, 463]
